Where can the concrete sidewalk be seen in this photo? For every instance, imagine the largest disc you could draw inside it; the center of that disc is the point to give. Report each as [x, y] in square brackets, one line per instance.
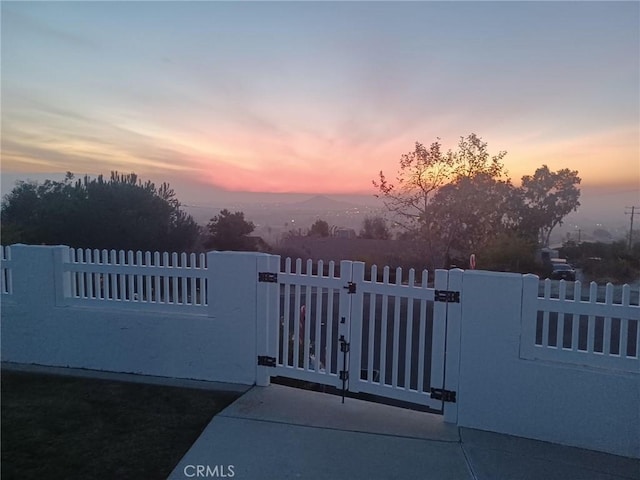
[279, 432]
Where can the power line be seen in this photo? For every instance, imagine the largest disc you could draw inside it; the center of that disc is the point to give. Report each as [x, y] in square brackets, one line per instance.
[631, 213]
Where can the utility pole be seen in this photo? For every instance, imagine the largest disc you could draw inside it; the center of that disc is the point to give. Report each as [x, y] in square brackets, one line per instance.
[632, 213]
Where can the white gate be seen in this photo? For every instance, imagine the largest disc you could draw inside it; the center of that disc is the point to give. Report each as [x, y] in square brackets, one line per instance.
[382, 336]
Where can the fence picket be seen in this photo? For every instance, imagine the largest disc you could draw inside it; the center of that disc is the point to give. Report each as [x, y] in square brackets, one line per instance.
[286, 335]
[183, 281]
[156, 279]
[328, 366]
[89, 275]
[383, 330]
[396, 330]
[166, 296]
[74, 277]
[113, 280]
[318, 333]
[173, 280]
[104, 279]
[193, 280]
[409, 334]
[82, 279]
[306, 316]
[562, 295]
[623, 345]
[591, 326]
[372, 326]
[422, 335]
[296, 316]
[545, 315]
[575, 318]
[606, 346]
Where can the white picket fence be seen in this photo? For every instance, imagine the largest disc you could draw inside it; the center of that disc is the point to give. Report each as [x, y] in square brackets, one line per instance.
[567, 327]
[392, 334]
[137, 279]
[6, 276]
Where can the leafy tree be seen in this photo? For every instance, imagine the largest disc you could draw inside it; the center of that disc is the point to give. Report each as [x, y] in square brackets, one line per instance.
[508, 251]
[447, 200]
[422, 172]
[472, 159]
[547, 198]
[229, 231]
[420, 175]
[320, 228]
[119, 213]
[460, 202]
[470, 212]
[605, 262]
[602, 234]
[375, 228]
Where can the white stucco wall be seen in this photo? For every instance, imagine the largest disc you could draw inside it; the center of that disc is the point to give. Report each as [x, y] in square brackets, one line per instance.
[219, 346]
[498, 391]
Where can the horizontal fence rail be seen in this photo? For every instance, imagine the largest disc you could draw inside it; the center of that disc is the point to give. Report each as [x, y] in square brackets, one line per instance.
[589, 325]
[6, 272]
[137, 279]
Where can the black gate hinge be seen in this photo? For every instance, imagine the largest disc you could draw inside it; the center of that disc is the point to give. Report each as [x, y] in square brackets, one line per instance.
[351, 287]
[266, 361]
[344, 375]
[268, 277]
[444, 395]
[448, 296]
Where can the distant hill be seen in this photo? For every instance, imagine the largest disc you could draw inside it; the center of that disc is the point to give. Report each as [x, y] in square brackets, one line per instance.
[321, 202]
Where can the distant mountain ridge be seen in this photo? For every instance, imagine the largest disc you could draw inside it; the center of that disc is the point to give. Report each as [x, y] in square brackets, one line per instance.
[321, 202]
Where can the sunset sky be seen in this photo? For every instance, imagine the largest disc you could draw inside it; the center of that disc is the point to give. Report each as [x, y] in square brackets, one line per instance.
[317, 96]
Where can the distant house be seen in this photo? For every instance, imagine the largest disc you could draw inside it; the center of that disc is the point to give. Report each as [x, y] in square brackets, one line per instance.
[379, 252]
[345, 233]
[544, 255]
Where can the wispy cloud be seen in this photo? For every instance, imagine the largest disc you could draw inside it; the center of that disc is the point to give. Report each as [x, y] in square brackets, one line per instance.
[316, 96]
[30, 26]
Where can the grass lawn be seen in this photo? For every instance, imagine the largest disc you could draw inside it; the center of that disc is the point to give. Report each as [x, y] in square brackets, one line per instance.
[60, 427]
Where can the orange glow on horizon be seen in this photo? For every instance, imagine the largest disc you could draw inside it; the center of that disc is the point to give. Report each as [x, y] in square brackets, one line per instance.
[304, 163]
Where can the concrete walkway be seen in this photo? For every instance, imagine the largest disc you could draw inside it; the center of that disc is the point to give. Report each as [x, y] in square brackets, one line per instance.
[279, 432]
